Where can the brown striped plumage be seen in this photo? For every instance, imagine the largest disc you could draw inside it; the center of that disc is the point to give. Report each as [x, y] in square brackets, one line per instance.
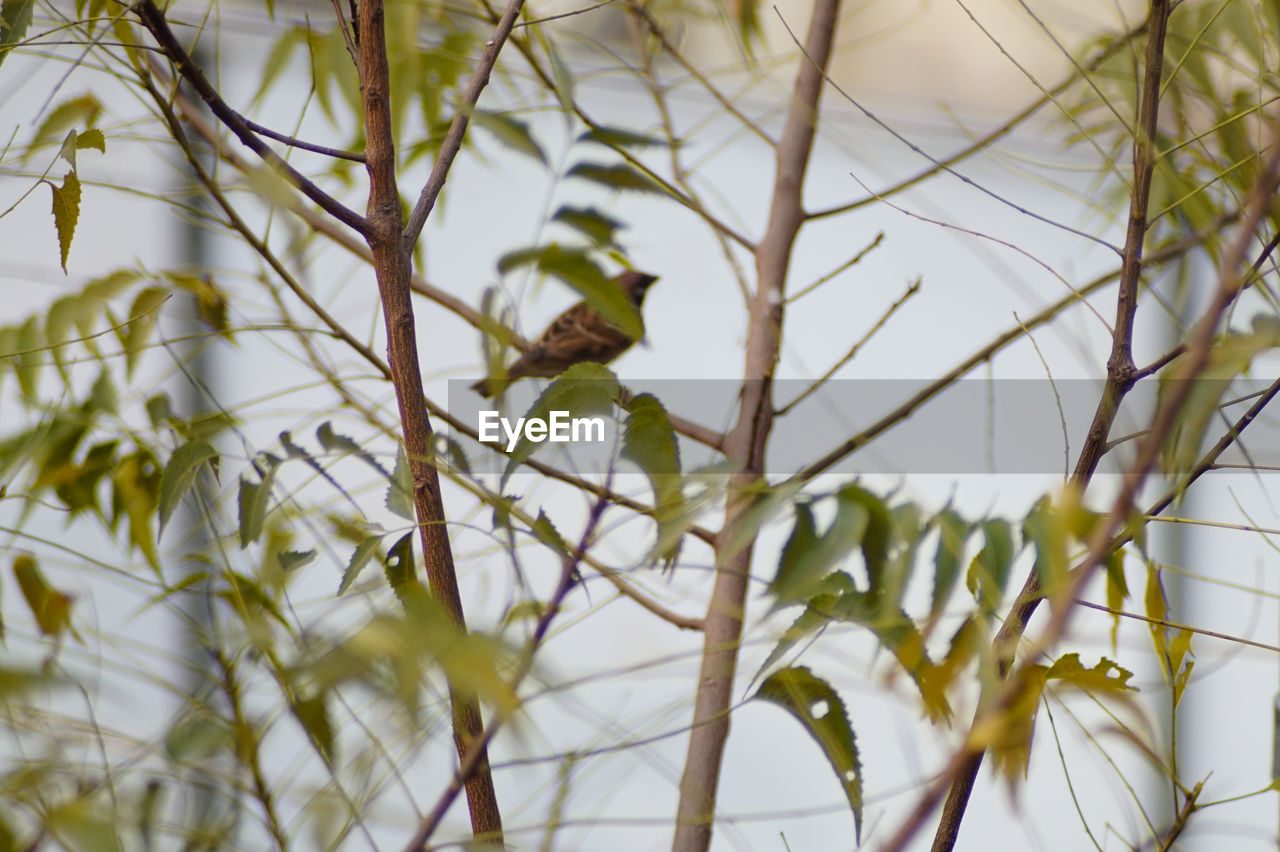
[577, 335]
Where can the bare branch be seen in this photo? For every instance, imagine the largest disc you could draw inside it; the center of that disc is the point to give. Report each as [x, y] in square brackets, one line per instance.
[458, 127]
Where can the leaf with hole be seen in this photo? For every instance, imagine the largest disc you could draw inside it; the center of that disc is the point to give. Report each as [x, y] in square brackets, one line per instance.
[816, 706]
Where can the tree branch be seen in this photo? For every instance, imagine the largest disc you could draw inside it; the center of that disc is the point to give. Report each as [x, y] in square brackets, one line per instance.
[746, 443]
[458, 127]
[153, 19]
[392, 256]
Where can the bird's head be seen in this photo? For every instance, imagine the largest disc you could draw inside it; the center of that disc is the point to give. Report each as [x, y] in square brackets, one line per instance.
[635, 284]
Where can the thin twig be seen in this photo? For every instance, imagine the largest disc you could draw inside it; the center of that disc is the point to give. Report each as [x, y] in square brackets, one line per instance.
[294, 142]
[475, 755]
[452, 143]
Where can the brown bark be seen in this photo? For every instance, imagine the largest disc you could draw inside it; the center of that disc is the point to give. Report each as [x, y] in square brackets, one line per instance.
[746, 443]
[392, 266]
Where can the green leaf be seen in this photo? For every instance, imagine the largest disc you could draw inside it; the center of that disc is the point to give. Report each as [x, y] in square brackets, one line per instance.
[581, 390]
[808, 558]
[621, 177]
[313, 715]
[180, 473]
[602, 230]
[136, 488]
[400, 491]
[254, 498]
[876, 538]
[989, 571]
[360, 557]
[144, 314]
[401, 570]
[15, 18]
[66, 212]
[564, 79]
[81, 825]
[953, 531]
[511, 132]
[51, 608]
[620, 137]
[159, 409]
[576, 268]
[211, 300]
[1117, 591]
[197, 735]
[817, 707]
[277, 60]
[292, 560]
[30, 345]
[650, 443]
[1106, 676]
[248, 597]
[91, 138]
[1045, 527]
[83, 110]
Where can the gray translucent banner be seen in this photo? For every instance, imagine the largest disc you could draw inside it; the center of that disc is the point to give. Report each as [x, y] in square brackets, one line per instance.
[972, 427]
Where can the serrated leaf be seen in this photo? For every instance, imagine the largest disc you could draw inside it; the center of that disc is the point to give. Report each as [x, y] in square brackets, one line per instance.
[400, 490]
[511, 132]
[818, 708]
[66, 212]
[180, 473]
[1105, 676]
[817, 614]
[360, 557]
[292, 560]
[341, 444]
[91, 138]
[649, 442]
[545, 531]
[596, 226]
[401, 570]
[620, 177]
[581, 390]
[576, 268]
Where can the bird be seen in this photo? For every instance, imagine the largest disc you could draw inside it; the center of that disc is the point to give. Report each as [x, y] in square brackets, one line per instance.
[577, 335]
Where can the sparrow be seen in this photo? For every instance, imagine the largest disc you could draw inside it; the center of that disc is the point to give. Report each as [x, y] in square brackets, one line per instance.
[579, 334]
